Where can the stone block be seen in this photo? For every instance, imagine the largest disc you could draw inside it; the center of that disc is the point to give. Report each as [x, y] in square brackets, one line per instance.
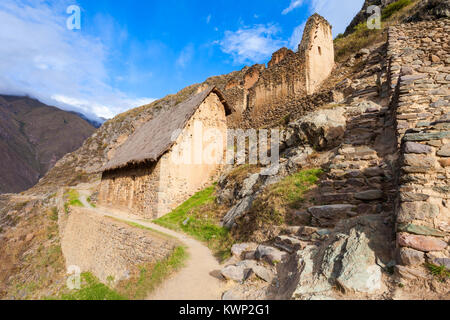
[421, 243]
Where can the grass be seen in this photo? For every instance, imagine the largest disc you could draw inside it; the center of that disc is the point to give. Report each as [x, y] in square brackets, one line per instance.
[440, 272]
[89, 200]
[150, 276]
[72, 199]
[292, 188]
[274, 207]
[363, 37]
[393, 8]
[92, 289]
[53, 214]
[198, 218]
[146, 279]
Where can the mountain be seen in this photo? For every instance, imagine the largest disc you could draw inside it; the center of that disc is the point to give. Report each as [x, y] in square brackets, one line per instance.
[33, 137]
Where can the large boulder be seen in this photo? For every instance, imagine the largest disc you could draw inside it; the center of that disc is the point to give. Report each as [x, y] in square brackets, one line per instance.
[350, 260]
[237, 211]
[323, 129]
[359, 272]
[270, 254]
[236, 273]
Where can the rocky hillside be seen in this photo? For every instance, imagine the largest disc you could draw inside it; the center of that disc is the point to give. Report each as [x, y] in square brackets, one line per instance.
[33, 137]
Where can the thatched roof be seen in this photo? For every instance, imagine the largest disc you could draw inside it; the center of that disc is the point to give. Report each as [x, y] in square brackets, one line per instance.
[154, 138]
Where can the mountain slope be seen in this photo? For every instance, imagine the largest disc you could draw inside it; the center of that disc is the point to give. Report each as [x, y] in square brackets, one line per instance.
[33, 137]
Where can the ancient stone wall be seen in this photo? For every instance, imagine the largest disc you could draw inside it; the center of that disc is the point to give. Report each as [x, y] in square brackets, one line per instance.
[196, 159]
[257, 91]
[317, 50]
[108, 248]
[420, 78]
[132, 189]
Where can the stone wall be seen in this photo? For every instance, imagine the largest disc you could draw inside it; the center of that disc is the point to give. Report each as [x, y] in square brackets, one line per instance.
[108, 248]
[317, 50]
[196, 159]
[420, 78]
[133, 189]
[258, 91]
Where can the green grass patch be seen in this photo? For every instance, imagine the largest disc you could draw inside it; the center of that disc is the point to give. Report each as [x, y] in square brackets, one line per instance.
[292, 188]
[394, 8]
[275, 206]
[198, 217]
[53, 214]
[150, 276]
[440, 272]
[142, 282]
[89, 200]
[362, 37]
[92, 289]
[72, 199]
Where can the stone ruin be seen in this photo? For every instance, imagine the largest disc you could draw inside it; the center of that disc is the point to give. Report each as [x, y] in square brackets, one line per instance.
[257, 91]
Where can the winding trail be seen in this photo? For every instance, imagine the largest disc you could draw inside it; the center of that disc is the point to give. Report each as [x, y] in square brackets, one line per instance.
[194, 281]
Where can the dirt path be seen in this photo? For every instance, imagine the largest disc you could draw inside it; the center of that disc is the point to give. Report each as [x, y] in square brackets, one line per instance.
[194, 281]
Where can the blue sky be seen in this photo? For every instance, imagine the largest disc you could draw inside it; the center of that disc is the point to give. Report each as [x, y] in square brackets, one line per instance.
[128, 53]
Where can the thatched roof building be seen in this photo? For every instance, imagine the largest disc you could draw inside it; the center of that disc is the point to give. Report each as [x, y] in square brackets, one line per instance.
[146, 177]
[155, 137]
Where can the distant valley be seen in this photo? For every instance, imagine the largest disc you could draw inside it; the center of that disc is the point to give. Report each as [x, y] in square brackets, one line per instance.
[33, 137]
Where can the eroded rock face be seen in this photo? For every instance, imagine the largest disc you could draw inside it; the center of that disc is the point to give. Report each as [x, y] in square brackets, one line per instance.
[350, 261]
[359, 272]
[237, 211]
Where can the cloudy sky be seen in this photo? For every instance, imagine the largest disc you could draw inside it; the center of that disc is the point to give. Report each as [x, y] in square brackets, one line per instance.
[128, 53]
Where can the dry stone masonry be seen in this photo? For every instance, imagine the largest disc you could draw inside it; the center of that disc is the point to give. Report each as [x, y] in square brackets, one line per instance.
[383, 204]
[290, 81]
[419, 54]
[108, 248]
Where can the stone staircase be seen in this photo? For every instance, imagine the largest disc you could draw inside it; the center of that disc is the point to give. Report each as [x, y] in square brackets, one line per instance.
[360, 176]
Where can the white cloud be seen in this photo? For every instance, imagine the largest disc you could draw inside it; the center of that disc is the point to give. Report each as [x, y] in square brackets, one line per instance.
[208, 19]
[338, 12]
[292, 6]
[252, 44]
[185, 56]
[40, 57]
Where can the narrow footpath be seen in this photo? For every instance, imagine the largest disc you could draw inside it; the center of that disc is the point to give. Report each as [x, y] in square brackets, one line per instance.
[194, 281]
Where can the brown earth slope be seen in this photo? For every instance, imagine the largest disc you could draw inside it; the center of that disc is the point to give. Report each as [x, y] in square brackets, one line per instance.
[33, 137]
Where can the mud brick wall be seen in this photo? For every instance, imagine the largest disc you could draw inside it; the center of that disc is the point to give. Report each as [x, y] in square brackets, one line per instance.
[420, 78]
[107, 248]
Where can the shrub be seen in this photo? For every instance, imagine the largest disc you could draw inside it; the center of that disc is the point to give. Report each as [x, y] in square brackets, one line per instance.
[440, 272]
[360, 38]
[393, 8]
